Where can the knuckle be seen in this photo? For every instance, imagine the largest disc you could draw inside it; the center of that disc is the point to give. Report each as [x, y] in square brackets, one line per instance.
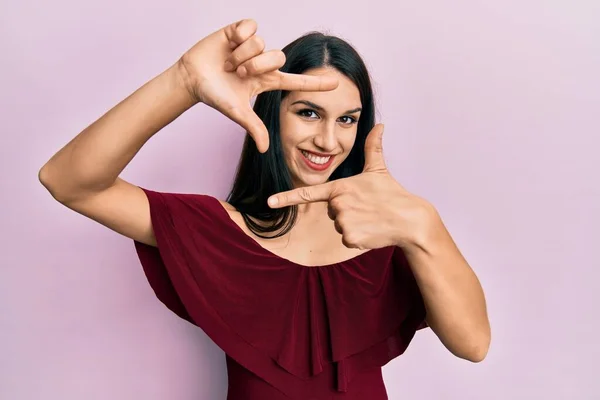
[305, 194]
[336, 203]
[234, 58]
[251, 66]
[331, 213]
[303, 83]
[235, 113]
[348, 241]
[352, 240]
[338, 228]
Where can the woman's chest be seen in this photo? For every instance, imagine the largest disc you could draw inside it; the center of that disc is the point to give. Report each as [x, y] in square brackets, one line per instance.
[312, 243]
[312, 251]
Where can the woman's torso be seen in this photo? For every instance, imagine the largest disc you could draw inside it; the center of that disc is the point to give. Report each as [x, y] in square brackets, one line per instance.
[313, 241]
[319, 332]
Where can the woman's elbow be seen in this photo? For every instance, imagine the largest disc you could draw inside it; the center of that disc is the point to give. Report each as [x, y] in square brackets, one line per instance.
[479, 349]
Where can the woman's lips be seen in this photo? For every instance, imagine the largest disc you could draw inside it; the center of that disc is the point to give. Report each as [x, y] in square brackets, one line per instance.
[313, 165]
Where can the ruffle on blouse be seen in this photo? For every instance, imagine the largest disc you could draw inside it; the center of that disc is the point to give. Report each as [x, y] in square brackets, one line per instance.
[304, 330]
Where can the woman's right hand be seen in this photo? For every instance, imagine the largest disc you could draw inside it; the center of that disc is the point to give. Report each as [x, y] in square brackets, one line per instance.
[226, 69]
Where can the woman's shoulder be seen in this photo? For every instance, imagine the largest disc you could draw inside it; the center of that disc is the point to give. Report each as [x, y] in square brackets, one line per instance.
[218, 209]
[228, 207]
[189, 205]
[234, 216]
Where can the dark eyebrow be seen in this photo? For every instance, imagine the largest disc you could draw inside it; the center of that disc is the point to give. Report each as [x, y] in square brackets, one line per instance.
[319, 108]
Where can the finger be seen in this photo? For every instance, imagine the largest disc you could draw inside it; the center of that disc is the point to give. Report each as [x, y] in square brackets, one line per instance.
[309, 83]
[338, 227]
[245, 51]
[349, 244]
[303, 195]
[240, 31]
[247, 119]
[331, 213]
[262, 63]
[374, 160]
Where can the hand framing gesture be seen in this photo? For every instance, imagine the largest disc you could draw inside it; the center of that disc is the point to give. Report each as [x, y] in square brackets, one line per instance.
[371, 210]
[226, 69]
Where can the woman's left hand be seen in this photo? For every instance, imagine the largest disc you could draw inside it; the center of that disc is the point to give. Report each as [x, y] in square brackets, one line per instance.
[370, 210]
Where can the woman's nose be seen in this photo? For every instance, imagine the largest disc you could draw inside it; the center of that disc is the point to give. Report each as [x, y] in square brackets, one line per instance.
[326, 139]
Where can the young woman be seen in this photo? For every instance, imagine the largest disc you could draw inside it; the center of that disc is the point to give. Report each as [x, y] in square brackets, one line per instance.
[319, 268]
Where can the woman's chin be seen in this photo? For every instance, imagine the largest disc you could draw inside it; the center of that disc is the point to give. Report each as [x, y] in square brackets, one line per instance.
[304, 176]
[304, 180]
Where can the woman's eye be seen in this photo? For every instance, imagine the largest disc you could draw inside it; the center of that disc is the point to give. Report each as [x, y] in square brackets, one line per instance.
[306, 113]
[349, 120]
[311, 114]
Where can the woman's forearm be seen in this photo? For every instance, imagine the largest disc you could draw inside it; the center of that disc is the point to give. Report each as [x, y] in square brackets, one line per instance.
[93, 160]
[453, 296]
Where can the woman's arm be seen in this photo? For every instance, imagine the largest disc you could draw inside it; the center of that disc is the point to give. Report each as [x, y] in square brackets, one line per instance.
[83, 175]
[372, 210]
[454, 298]
[93, 160]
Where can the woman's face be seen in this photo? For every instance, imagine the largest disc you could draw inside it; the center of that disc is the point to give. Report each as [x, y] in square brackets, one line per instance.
[318, 129]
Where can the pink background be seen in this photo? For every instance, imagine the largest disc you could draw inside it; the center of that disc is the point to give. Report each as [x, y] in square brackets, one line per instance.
[491, 112]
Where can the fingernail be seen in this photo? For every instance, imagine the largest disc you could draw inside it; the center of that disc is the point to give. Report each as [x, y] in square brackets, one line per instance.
[242, 71]
[273, 201]
[228, 66]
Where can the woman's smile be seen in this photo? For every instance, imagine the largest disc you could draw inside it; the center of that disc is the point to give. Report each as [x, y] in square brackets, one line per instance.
[317, 161]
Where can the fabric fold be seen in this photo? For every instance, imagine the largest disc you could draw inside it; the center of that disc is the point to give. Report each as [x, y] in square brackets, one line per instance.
[307, 331]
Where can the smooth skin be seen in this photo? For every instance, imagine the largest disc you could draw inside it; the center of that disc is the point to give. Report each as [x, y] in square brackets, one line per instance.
[337, 220]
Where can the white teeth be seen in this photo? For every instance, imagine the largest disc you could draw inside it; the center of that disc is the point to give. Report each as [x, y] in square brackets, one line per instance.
[315, 159]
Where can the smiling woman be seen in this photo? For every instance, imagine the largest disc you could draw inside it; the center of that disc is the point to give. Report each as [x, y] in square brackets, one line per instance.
[314, 136]
[322, 141]
[310, 296]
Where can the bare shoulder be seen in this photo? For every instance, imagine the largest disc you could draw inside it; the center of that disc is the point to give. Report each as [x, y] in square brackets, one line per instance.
[237, 218]
[234, 214]
[228, 207]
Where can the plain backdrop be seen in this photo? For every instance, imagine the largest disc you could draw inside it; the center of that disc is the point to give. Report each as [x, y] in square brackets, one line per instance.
[491, 112]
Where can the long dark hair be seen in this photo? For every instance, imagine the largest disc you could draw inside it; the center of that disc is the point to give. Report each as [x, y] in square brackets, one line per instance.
[262, 175]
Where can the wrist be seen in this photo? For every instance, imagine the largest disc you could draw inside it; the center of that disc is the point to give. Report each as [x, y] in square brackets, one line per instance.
[428, 230]
[182, 81]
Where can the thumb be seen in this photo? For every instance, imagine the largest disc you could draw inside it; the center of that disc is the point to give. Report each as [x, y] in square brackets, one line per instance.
[374, 160]
[247, 119]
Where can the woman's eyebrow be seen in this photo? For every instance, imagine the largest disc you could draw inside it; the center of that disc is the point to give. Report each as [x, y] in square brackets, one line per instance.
[319, 108]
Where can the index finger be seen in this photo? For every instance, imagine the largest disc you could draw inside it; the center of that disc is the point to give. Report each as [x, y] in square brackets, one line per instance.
[303, 195]
[307, 83]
